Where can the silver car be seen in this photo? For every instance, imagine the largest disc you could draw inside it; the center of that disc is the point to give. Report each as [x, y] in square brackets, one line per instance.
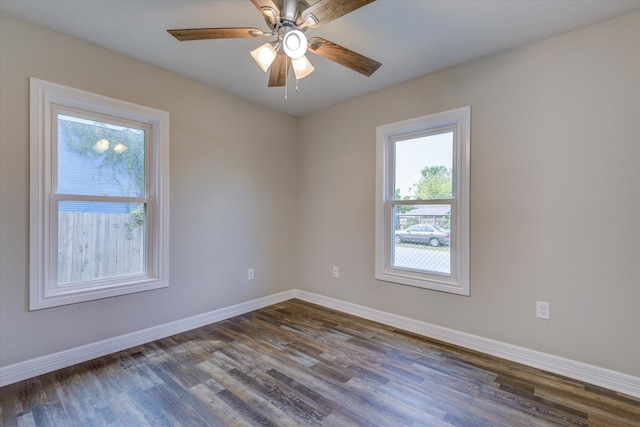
[423, 233]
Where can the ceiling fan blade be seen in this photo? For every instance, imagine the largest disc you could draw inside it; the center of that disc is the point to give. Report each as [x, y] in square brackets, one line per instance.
[216, 33]
[269, 9]
[279, 70]
[326, 11]
[343, 56]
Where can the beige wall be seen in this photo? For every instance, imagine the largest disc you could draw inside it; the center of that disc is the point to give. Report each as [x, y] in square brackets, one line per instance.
[233, 172]
[555, 205]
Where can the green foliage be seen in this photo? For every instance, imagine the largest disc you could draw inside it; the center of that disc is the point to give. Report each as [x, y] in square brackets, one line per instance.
[403, 208]
[445, 221]
[138, 216]
[125, 169]
[435, 183]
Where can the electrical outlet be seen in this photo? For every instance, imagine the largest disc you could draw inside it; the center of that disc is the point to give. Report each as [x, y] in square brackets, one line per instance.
[336, 272]
[251, 274]
[542, 310]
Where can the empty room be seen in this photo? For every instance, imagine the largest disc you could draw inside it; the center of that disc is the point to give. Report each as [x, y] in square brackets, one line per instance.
[319, 213]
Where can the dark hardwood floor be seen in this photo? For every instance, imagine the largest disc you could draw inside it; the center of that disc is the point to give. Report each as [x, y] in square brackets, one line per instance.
[296, 363]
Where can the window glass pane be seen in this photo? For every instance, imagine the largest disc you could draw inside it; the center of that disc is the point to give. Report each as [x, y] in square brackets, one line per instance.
[423, 167]
[422, 238]
[100, 240]
[100, 159]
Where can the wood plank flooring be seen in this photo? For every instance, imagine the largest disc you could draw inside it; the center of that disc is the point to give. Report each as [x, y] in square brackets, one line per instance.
[299, 364]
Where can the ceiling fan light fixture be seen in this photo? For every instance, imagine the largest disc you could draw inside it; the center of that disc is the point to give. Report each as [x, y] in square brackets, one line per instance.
[301, 67]
[295, 44]
[264, 55]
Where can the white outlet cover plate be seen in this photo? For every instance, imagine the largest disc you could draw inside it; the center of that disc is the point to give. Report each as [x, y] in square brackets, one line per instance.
[542, 310]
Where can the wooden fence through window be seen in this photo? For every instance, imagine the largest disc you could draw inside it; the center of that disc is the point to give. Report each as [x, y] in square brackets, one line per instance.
[94, 246]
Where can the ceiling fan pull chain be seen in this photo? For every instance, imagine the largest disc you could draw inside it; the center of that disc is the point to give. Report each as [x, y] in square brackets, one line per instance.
[286, 76]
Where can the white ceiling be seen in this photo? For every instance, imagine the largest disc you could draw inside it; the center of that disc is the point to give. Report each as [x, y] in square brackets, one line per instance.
[411, 38]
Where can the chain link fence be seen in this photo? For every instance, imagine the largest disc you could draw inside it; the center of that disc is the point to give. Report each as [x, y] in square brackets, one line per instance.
[421, 238]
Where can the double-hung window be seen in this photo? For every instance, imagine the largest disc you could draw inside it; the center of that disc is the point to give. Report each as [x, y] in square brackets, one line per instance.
[422, 202]
[99, 196]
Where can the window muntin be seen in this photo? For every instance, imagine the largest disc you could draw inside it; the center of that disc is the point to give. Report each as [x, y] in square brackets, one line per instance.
[99, 197]
[423, 181]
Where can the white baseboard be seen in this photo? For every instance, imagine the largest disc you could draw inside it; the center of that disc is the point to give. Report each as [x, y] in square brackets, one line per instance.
[602, 377]
[595, 375]
[42, 365]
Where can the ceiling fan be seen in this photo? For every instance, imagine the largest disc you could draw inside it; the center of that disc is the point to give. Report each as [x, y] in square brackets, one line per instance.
[288, 20]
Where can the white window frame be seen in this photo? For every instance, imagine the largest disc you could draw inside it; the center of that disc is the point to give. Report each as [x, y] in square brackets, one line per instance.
[46, 99]
[458, 120]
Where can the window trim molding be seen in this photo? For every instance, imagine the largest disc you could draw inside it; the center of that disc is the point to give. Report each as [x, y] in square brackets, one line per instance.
[459, 118]
[44, 97]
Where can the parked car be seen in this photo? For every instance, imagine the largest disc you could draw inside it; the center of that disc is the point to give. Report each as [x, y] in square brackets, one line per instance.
[423, 233]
